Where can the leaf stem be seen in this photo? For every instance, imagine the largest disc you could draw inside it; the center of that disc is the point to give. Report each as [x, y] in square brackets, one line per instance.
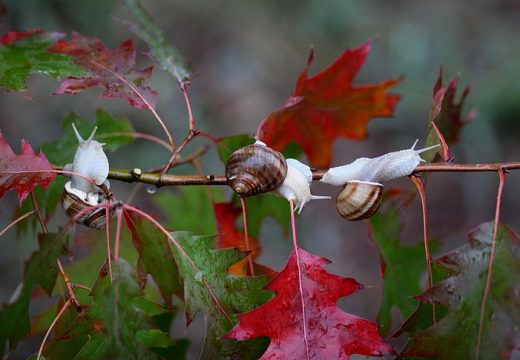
[17, 220]
[502, 180]
[58, 316]
[246, 237]
[422, 194]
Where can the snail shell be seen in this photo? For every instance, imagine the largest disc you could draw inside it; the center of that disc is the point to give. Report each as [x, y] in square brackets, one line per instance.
[255, 169]
[74, 201]
[359, 199]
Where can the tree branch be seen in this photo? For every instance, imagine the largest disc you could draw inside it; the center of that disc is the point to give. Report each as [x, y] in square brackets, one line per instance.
[137, 175]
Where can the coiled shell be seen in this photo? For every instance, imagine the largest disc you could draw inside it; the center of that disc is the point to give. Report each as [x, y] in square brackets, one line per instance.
[74, 201]
[255, 169]
[359, 199]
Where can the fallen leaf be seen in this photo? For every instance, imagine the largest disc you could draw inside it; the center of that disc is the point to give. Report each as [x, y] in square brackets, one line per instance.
[321, 330]
[22, 183]
[327, 106]
[113, 70]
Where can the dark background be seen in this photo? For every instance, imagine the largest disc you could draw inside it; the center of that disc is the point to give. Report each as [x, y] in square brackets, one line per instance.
[247, 56]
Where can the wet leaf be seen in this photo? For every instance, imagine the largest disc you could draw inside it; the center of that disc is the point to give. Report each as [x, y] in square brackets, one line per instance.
[106, 68]
[321, 330]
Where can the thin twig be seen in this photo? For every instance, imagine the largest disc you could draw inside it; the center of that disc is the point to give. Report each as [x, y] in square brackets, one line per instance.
[119, 215]
[138, 135]
[176, 153]
[58, 316]
[17, 220]
[143, 99]
[246, 237]
[184, 91]
[422, 194]
[502, 180]
[179, 161]
[109, 253]
[79, 286]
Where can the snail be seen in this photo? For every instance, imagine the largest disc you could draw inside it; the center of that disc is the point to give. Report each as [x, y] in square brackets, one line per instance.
[362, 193]
[79, 193]
[255, 169]
[296, 185]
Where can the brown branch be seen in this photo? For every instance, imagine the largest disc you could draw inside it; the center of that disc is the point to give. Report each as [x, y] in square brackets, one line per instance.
[191, 134]
[128, 175]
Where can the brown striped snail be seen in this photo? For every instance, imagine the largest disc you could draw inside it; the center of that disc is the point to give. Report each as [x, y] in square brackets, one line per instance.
[362, 193]
[257, 168]
[79, 193]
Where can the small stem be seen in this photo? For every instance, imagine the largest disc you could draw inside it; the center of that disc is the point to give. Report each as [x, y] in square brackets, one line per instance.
[58, 316]
[138, 135]
[422, 194]
[176, 153]
[502, 180]
[143, 99]
[300, 282]
[17, 220]
[119, 213]
[109, 254]
[184, 91]
[79, 286]
[246, 237]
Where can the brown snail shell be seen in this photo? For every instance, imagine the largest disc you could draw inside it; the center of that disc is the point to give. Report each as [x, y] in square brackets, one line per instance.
[359, 199]
[255, 169]
[73, 204]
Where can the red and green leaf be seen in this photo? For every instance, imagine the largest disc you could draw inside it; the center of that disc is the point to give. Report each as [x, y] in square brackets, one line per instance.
[114, 70]
[318, 331]
[13, 169]
[446, 119]
[25, 53]
[327, 106]
[455, 336]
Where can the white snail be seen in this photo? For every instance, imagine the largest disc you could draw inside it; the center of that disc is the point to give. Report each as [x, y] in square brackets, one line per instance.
[362, 193]
[79, 193]
[296, 185]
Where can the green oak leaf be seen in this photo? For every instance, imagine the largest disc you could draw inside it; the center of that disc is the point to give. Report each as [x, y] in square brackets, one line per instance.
[230, 294]
[402, 265]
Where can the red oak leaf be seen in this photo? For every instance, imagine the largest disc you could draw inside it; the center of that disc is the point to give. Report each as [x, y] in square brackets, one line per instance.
[446, 120]
[319, 330]
[22, 182]
[327, 106]
[14, 36]
[228, 236]
[112, 69]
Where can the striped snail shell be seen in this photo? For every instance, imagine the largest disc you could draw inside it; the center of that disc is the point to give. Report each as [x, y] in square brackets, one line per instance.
[79, 194]
[359, 199]
[74, 201]
[255, 169]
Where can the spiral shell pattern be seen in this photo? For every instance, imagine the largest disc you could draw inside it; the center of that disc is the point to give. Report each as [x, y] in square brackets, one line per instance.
[74, 205]
[255, 169]
[359, 200]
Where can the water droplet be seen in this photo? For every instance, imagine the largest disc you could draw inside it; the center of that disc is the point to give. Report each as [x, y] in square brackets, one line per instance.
[151, 189]
[198, 276]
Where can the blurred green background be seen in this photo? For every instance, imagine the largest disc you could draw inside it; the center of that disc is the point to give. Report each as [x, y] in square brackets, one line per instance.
[247, 56]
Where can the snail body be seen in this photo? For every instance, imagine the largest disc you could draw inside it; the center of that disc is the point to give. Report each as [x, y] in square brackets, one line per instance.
[79, 194]
[362, 179]
[296, 185]
[255, 169]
